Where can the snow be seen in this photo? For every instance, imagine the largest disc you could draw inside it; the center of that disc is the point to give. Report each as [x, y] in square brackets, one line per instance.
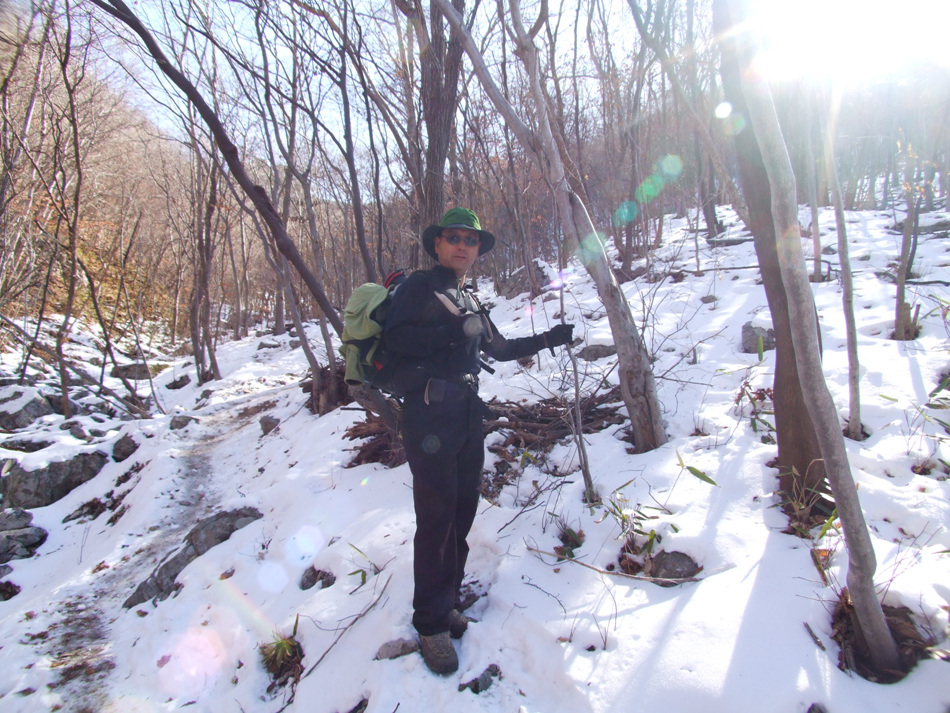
[567, 638]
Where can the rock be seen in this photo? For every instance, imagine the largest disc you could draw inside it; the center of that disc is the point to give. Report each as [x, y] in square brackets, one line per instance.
[137, 371]
[594, 352]
[5, 569]
[55, 402]
[674, 566]
[15, 519]
[725, 242]
[179, 383]
[294, 343]
[44, 486]
[751, 336]
[268, 344]
[206, 534]
[179, 422]
[124, 448]
[484, 681]
[269, 423]
[20, 544]
[520, 281]
[20, 406]
[77, 432]
[8, 590]
[397, 648]
[11, 380]
[313, 576]
[26, 445]
[89, 510]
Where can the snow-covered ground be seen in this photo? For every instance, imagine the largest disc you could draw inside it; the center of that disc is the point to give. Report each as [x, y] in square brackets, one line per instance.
[566, 638]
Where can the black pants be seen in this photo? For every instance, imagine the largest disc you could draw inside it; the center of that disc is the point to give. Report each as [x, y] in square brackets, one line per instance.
[444, 445]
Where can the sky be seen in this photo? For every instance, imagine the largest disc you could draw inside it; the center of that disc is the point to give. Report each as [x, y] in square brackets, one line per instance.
[566, 637]
[842, 41]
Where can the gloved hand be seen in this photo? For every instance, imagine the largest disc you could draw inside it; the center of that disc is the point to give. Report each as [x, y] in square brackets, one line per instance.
[558, 334]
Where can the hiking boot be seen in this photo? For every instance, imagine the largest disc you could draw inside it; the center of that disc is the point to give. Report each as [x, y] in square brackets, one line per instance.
[439, 654]
[458, 623]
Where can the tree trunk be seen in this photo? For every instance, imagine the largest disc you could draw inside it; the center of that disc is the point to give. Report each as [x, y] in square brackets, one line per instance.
[801, 470]
[229, 152]
[811, 174]
[821, 407]
[847, 286]
[637, 385]
[904, 323]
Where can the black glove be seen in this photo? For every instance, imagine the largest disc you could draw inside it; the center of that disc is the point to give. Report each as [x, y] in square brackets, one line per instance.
[556, 336]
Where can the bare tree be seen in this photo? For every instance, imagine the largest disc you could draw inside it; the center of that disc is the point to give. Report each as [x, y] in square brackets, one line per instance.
[804, 329]
[258, 196]
[801, 468]
[636, 379]
[847, 282]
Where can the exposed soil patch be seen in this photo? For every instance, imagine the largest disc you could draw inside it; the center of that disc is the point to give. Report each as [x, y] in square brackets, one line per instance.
[912, 645]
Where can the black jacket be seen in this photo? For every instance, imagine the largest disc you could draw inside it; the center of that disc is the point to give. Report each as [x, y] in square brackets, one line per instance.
[430, 341]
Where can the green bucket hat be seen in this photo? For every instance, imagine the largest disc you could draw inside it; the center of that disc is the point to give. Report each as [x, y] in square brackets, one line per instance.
[457, 218]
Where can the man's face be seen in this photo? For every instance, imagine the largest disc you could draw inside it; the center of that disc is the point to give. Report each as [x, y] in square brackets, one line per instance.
[461, 256]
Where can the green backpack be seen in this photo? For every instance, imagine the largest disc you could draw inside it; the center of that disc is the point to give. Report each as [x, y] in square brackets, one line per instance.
[363, 349]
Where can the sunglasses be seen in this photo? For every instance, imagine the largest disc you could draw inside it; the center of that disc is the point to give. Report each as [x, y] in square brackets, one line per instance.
[470, 240]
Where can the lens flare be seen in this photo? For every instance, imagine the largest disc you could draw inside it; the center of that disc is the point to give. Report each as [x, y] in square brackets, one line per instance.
[272, 577]
[733, 124]
[649, 189]
[197, 660]
[306, 543]
[590, 249]
[431, 444]
[670, 167]
[627, 212]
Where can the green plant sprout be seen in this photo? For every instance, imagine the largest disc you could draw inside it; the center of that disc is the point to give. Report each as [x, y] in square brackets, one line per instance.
[282, 658]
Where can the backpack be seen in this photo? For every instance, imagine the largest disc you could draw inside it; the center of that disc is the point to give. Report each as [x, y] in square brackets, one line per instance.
[364, 317]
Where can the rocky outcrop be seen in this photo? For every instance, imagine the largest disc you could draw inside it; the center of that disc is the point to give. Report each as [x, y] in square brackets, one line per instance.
[179, 383]
[206, 534]
[594, 352]
[124, 448]
[137, 371]
[20, 406]
[179, 422]
[751, 336]
[268, 424]
[41, 487]
[18, 538]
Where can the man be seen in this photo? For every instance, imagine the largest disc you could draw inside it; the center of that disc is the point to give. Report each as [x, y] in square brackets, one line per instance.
[437, 331]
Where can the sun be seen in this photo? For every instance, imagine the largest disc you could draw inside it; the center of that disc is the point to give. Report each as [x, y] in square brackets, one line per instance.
[851, 41]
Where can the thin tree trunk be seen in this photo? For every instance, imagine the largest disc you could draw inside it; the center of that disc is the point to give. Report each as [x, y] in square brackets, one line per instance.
[801, 469]
[257, 195]
[903, 324]
[812, 177]
[637, 384]
[862, 562]
[847, 286]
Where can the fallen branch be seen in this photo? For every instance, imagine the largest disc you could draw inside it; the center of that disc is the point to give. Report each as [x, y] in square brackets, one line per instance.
[345, 629]
[349, 626]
